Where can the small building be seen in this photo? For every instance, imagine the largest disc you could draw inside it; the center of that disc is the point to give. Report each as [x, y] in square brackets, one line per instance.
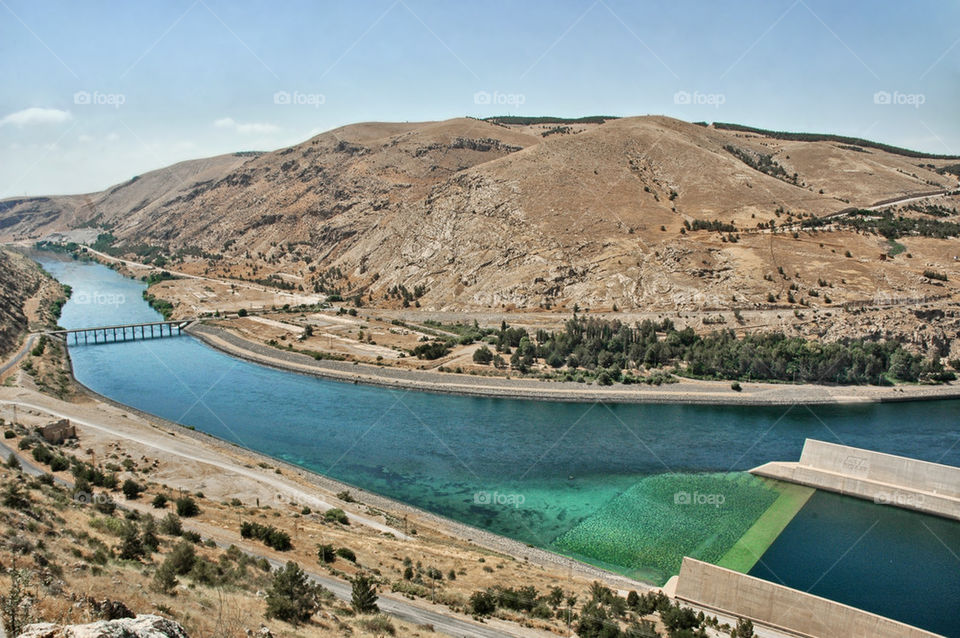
[58, 431]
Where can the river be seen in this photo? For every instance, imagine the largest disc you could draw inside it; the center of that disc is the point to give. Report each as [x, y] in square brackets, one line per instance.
[577, 478]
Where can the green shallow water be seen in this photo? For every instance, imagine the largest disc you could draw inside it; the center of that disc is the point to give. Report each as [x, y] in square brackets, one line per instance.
[651, 526]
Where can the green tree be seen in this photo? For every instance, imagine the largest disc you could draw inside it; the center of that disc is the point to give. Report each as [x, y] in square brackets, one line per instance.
[165, 579]
[131, 489]
[744, 629]
[16, 606]
[292, 596]
[187, 507]
[182, 559]
[363, 594]
[326, 553]
[482, 355]
[14, 495]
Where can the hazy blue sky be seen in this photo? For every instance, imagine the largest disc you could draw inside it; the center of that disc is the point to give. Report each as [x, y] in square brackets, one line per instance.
[96, 92]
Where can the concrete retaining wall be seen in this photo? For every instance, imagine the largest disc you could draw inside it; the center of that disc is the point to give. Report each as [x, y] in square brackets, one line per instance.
[787, 610]
[883, 478]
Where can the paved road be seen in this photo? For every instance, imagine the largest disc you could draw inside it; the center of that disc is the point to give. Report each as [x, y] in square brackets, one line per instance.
[443, 621]
[27, 345]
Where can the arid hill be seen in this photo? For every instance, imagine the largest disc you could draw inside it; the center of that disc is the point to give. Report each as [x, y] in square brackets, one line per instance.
[634, 213]
[20, 279]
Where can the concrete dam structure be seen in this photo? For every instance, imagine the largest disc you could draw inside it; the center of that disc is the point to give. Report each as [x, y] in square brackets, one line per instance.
[723, 591]
[882, 478]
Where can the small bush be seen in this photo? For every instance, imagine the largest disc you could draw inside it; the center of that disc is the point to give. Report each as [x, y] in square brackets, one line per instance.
[336, 515]
[171, 525]
[346, 554]
[326, 553]
[187, 507]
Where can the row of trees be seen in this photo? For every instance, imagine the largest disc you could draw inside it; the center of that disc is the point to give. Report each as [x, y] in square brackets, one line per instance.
[614, 347]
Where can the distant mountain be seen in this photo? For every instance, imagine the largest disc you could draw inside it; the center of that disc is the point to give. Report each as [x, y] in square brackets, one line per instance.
[642, 212]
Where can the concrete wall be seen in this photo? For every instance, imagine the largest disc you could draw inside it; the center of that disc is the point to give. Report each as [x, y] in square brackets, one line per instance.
[787, 610]
[882, 478]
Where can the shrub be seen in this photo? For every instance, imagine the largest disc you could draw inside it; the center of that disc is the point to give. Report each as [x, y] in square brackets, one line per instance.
[379, 625]
[346, 554]
[270, 535]
[326, 553]
[482, 603]
[132, 489]
[165, 579]
[159, 501]
[187, 507]
[171, 525]
[182, 559]
[336, 515]
[736, 387]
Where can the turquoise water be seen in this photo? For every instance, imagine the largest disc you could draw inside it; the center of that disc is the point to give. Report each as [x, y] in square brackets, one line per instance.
[528, 470]
[886, 560]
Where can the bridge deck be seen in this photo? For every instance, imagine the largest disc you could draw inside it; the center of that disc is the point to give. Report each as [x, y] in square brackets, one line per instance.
[122, 332]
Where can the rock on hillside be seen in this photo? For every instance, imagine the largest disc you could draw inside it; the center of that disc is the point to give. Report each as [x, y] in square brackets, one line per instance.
[144, 626]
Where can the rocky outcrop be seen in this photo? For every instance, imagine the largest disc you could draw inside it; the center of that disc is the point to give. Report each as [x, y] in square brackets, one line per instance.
[145, 626]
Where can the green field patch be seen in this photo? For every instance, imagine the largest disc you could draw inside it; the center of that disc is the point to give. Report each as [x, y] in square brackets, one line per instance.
[752, 545]
[648, 529]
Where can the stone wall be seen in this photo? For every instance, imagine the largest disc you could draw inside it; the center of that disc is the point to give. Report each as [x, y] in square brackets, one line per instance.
[787, 610]
[883, 478]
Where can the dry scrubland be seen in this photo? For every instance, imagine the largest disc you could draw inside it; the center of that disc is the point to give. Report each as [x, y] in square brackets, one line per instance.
[113, 527]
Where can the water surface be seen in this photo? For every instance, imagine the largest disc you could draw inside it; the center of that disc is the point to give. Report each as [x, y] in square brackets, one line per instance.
[525, 469]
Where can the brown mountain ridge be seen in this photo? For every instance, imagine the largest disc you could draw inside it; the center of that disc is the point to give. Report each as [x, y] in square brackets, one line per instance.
[496, 214]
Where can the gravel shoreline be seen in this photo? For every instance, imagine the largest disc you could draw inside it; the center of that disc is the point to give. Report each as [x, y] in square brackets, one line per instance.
[686, 391]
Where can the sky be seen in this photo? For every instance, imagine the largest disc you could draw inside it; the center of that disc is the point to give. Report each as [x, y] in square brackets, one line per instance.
[94, 93]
